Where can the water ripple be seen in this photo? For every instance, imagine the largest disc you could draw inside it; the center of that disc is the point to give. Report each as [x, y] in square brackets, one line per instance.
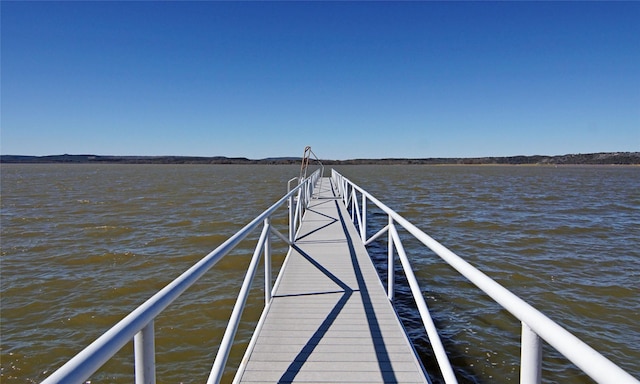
[82, 245]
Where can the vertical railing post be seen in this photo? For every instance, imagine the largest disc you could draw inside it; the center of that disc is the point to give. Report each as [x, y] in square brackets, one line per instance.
[347, 194]
[344, 193]
[267, 262]
[353, 204]
[292, 229]
[363, 214]
[306, 194]
[390, 269]
[530, 356]
[145, 361]
[301, 205]
[301, 199]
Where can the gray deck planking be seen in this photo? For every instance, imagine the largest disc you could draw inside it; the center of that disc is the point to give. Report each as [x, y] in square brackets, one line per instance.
[330, 320]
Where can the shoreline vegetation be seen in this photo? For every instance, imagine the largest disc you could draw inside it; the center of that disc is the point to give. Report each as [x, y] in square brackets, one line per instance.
[602, 158]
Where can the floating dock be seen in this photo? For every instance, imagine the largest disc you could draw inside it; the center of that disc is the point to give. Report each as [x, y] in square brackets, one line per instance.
[330, 319]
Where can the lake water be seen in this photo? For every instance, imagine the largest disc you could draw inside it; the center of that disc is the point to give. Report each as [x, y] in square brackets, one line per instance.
[83, 245]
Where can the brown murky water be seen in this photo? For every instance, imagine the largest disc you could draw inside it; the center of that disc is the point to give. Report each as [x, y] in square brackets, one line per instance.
[82, 245]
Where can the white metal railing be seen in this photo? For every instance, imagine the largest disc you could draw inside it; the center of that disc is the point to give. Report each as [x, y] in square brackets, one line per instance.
[535, 325]
[139, 324]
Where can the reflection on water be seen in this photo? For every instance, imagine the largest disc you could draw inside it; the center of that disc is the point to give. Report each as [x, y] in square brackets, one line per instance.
[82, 245]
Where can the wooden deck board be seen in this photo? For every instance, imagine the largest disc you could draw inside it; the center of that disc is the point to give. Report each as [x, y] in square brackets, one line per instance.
[329, 320]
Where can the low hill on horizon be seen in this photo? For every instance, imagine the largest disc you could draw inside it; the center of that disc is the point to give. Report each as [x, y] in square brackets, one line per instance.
[601, 158]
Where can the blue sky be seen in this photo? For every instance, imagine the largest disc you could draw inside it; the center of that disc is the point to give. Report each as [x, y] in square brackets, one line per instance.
[351, 79]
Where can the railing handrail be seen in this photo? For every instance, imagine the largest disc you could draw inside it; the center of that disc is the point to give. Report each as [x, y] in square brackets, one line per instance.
[594, 364]
[139, 323]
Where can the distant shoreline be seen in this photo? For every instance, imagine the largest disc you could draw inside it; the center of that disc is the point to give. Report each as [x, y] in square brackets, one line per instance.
[601, 158]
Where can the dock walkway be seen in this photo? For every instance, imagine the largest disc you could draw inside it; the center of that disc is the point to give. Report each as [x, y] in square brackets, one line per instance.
[329, 319]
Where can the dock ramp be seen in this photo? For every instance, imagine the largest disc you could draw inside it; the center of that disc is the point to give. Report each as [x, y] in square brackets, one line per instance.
[329, 320]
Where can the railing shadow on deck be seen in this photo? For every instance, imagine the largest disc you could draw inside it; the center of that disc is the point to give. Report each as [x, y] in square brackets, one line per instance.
[382, 354]
[297, 363]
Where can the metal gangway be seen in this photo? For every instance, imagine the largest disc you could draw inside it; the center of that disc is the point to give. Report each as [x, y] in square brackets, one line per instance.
[305, 203]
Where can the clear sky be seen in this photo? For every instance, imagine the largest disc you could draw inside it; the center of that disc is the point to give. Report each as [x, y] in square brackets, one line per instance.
[351, 79]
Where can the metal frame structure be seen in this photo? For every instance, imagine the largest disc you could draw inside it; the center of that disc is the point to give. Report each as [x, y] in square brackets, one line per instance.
[305, 162]
[535, 325]
[139, 324]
